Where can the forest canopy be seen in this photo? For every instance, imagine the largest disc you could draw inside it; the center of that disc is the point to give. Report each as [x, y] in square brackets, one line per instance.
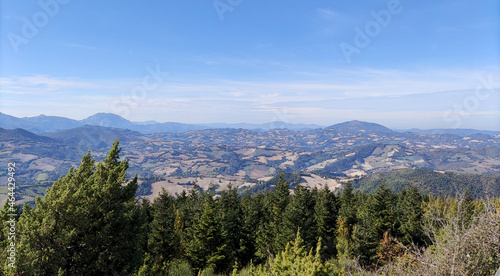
[91, 223]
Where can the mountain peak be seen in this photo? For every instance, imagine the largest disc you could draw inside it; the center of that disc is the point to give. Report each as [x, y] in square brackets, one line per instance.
[359, 126]
[107, 120]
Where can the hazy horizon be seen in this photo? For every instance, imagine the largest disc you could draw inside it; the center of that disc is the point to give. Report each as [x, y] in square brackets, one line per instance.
[246, 123]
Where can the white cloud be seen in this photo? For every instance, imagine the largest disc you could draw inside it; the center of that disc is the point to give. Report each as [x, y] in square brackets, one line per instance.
[325, 97]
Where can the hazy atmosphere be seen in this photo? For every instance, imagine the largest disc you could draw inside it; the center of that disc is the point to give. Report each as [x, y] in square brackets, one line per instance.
[250, 138]
[403, 64]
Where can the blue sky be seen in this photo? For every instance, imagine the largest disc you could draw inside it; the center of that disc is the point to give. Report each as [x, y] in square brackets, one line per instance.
[405, 64]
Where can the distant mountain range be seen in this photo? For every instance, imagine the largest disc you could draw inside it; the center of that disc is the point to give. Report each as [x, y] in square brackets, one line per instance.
[172, 155]
[42, 124]
[45, 124]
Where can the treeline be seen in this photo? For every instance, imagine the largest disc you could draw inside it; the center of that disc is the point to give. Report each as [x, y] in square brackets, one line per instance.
[91, 223]
[432, 182]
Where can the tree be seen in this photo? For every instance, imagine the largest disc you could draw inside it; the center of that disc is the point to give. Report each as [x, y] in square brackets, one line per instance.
[345, 244]
[348, 206]
[231, 216]
[410, 213]
[384, 210]
[264, 241]
[297, 260]
[299, 214]
[207, 248]
[365, 233]
[252, 207]
[345, 223]
[89, 223]
[325, 216]
[163, 241]
[280, 201]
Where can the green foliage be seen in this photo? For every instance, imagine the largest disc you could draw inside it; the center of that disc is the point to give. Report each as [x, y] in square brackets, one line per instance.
[89, 223]
[325, 217]
[231, 215]
[429, 181]
[409, 209]
[207, 247]
[300, 214]
[297, 260]
[280, 201]
[253, 213]
[163, 242]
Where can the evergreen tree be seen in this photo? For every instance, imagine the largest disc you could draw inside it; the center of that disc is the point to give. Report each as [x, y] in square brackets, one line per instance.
[345, 223]
[300, 214]
[207, 248]
[376, 215]
[252, 207]
[384, 210]
[163, 242]
[280, 201]
[344, 240]
[325, 216]
[295, 259]
[466, 207]
[365, 233]
[89, 223]
[265, 233]
[232, 225]
[410, 213]
[348, 206]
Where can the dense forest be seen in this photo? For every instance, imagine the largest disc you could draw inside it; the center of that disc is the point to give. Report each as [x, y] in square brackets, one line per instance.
[432, 182]
[91, 223]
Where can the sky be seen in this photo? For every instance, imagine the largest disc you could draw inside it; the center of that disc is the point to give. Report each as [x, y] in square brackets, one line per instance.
[401, 63]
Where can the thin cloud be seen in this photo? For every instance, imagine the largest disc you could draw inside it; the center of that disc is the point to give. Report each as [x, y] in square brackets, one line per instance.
[81, 46]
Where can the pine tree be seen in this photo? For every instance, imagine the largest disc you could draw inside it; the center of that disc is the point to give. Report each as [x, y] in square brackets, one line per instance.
[344, 240]
[325, 216]
[365, 233]
[346, 222]
[207, 248]
[89, 223]
[264, 241]
[467, 207]
[295, 259]
[299, 214]
[384, 210]
[163, 242]
[232, 225]
[410, 213]
[348, 205]
[252, 207]
[280, 201]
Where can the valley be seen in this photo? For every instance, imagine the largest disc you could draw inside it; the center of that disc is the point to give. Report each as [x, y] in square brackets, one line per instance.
[245, 158]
